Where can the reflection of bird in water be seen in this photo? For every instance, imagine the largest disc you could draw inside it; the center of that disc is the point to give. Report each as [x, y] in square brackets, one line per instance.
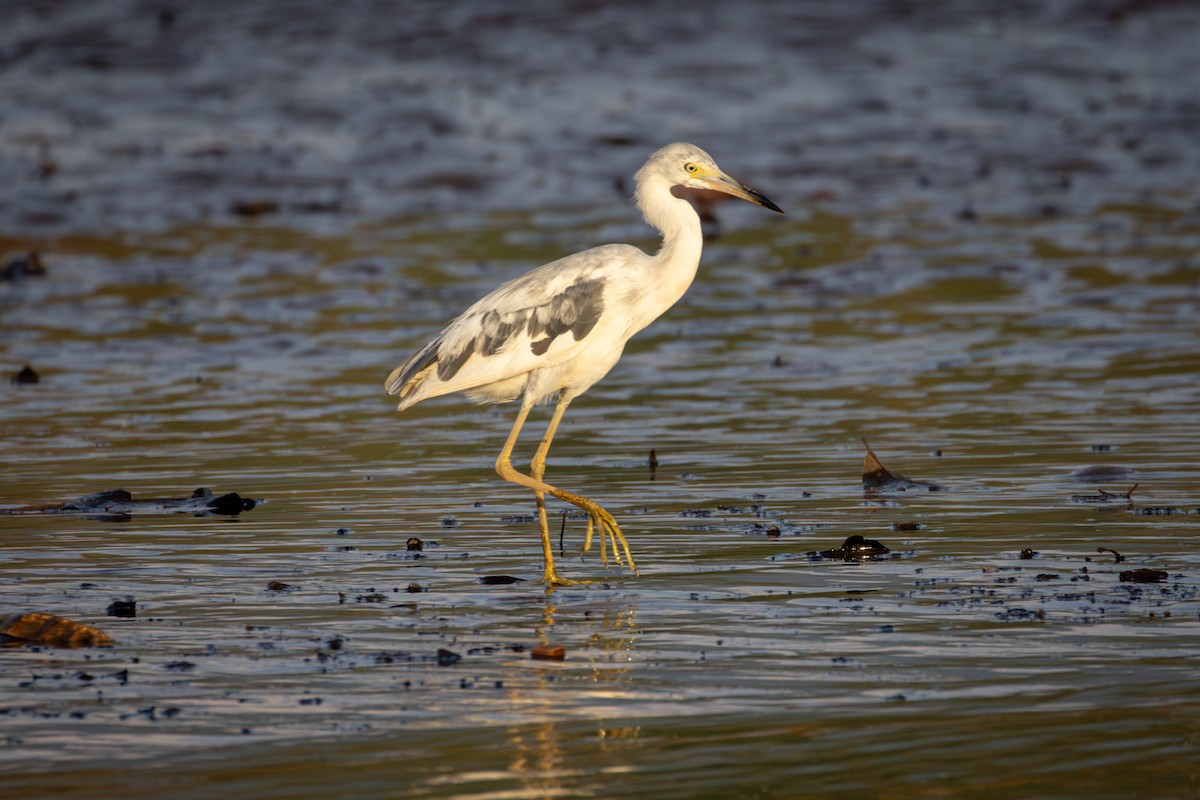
[555, 331]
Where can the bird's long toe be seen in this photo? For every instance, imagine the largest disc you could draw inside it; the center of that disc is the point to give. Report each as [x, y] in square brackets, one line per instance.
[603, 523]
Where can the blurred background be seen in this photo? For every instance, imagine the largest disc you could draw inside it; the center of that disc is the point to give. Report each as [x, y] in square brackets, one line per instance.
[142, 115]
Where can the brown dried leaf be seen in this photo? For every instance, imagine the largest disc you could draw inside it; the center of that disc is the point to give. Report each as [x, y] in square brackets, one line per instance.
[548, 652]
[46, 629]
[877, 476]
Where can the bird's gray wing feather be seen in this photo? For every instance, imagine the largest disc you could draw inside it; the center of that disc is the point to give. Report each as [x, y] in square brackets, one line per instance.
[532, 311]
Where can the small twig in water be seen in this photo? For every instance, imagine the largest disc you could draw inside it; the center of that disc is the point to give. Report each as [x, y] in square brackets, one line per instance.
[1105, 495]
[1119, 558]
[561, 532]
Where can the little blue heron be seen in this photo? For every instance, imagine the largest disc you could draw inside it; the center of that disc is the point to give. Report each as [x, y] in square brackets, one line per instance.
[553, 332]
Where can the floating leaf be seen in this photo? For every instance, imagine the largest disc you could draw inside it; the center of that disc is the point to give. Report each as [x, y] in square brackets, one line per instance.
[878, 477]
[46, 629]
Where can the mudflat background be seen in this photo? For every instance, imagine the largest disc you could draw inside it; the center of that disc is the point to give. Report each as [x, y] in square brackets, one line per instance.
[247, 213]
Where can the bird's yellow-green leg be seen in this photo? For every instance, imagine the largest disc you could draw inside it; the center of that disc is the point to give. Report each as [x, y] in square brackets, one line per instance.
[598, 518]
[596, 515]
[537, 468]
[505, 469]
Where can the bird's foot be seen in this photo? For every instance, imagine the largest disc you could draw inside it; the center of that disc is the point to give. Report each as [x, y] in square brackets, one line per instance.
[602, 521]
[552, 579]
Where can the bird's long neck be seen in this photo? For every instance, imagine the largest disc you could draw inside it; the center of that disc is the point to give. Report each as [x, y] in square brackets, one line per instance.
[674, 265]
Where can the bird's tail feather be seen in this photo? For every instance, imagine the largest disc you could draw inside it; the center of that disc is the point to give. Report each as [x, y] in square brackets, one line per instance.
[406, 378]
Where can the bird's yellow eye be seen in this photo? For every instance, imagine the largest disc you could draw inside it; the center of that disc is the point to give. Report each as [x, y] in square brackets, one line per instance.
[691, 168]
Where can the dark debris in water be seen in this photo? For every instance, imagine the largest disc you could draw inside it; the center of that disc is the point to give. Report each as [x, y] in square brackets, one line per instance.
[855, 548]
[125, 607]
[254, 208]
[1017, 614]
[341, 656]
[152, 713]
[499, 580]
[1101, 473]
[17, 268]
[696, 512]
[781, 529]
[119, 505]
[1143, 575]
[725, 510]
[1104, 496]
[26, 376]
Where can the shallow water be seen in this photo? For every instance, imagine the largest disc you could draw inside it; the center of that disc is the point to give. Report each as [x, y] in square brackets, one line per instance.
[994, 332]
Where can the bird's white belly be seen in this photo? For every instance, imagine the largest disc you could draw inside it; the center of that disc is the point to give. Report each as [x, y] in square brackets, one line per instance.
[573, 375]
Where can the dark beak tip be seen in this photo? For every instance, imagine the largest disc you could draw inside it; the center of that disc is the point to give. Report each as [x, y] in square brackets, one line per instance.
[766, 203]
[763, 200]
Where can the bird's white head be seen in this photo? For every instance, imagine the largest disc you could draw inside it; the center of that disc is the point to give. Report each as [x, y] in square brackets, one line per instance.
[683, 164]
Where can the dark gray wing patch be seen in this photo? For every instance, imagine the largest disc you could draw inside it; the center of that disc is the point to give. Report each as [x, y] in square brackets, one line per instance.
[495, 329]
[451, 363]
[577, 310]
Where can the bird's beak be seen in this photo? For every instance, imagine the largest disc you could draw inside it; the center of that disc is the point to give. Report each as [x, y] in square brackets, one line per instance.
[727, 185]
